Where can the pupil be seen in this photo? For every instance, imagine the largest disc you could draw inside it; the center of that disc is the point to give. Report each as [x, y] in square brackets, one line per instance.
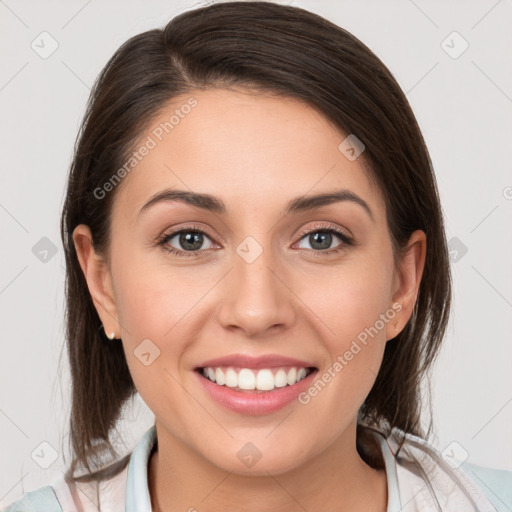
[323, 238]
[191, 238]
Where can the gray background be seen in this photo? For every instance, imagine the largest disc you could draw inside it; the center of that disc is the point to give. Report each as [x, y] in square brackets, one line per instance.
[463, 106]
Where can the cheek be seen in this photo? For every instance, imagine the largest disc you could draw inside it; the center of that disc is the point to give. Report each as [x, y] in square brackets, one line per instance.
[153, 308]
[160, 311]
[354, 305]
[359, 304]
[153, 300]
[350, 299]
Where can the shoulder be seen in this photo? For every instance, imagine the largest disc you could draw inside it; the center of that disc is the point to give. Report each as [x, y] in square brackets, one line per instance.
[423, 473]
[74, 496]
[495, 483]
[107, 490]
[43, 499]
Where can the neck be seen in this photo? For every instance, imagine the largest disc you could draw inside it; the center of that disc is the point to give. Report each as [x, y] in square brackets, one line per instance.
[337, 479]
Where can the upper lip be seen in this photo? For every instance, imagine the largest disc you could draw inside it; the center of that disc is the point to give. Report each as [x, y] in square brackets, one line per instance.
[247, 361]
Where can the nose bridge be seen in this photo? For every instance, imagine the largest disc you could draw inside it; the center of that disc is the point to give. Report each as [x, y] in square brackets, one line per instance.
[256, 297]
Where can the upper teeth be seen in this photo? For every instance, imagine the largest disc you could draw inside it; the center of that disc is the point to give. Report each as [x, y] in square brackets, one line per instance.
[263, 380]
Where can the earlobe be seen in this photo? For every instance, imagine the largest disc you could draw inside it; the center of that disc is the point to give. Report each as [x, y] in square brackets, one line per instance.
[408, 279]
[98, 277]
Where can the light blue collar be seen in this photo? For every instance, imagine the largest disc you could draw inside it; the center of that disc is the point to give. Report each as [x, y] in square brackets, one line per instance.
[394, 503]
[137, 489]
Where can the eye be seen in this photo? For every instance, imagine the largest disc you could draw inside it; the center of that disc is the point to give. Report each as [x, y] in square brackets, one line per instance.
[321, 237]
[190, 241]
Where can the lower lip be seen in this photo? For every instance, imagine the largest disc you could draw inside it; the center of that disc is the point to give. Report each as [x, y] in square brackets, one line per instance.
[255, 403]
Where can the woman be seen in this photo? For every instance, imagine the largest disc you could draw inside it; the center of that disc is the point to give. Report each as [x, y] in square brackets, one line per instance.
[254, 244]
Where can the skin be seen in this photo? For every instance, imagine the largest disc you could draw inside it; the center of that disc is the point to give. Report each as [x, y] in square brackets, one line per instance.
[255, 152]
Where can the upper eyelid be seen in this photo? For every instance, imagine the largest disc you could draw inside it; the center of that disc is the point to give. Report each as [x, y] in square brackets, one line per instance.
[325, 227]
[302, 232]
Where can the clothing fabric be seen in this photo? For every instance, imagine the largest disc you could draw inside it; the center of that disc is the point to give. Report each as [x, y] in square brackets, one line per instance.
[420, 479]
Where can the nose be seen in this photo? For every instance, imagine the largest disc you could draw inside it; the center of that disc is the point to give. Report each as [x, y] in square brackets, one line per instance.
[256, 296]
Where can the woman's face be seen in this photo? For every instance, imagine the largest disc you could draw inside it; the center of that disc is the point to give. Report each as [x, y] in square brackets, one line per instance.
[267, 279]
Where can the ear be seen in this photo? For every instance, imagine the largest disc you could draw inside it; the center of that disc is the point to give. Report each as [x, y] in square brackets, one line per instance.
[406, 282]
[98, 277]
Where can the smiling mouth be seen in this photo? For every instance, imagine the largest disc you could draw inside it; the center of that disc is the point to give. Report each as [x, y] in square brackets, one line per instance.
[252, 380]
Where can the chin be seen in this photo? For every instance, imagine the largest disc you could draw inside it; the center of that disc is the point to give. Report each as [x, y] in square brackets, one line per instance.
[258, 458]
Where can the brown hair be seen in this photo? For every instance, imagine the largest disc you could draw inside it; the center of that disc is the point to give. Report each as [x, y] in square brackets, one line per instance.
[287, 51]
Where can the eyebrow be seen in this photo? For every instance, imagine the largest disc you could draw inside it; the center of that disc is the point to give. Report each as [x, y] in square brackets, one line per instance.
[216, 205]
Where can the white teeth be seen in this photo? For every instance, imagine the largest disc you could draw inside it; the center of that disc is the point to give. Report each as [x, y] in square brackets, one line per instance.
[291, 377]
[280, 379]
[301, 374]
[219, 377]
[265, 380]
[231, 378]
[262, 380]
[246, 379]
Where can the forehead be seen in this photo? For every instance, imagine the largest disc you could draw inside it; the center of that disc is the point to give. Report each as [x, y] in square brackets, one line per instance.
[251, 147]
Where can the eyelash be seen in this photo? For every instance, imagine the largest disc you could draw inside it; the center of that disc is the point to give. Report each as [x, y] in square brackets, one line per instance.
[346, 240]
